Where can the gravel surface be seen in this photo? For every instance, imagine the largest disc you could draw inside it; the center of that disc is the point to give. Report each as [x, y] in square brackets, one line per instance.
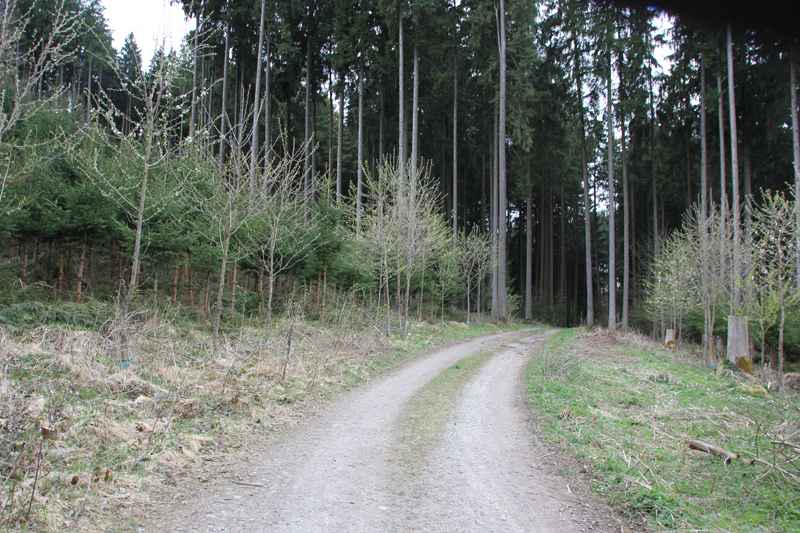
[340, 471]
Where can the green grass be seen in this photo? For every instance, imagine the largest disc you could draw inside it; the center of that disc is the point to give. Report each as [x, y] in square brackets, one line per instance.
[629, 412]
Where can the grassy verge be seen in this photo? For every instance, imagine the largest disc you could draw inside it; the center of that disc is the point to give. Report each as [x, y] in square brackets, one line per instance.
[626, 413]
[85, 443]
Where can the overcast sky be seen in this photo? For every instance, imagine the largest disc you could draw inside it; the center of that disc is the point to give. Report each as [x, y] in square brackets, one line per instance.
[151, 21]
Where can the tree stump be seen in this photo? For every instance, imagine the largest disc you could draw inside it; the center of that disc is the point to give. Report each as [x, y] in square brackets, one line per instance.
[738, 339]
[669, 339]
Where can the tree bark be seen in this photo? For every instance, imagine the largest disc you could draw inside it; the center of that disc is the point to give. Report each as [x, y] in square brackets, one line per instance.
[267, 101]
[380, 127]
[737, 230]
[359, 170]
[704, 203]
[501, 177]
[654, 185]
[339, 148]
[415, 115]
[586, 203]
[257, 102]
[306, 133]
[455, 145]
[612, 206]
[528, 254]
[493, 210]
[401, 139]
[796, 153]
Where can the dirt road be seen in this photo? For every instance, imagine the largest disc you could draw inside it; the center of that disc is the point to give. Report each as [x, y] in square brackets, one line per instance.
[340, 472]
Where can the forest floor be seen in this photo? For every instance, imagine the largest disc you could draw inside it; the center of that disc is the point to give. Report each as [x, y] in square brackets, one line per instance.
[443, 443]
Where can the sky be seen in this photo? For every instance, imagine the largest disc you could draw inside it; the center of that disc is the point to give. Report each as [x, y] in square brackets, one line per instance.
[151, 21]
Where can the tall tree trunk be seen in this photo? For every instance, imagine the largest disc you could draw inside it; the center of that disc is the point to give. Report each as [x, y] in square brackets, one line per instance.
[415, 115]
[528, 254]
[329, 168]
[737, 230]
[257, 100]
[455, 145]
[723, 187]
[401, 139]
[626, 255]
[501, 178]
[306, 133]
[493, 210]
[340, 140]
[482, 226]
[267, 102]
[796, 152]
[562, 278]
[703, 143]
[314, 141]
[654, 185]
[359, 170]
[380, 132]
[612, 206]
[587, 206]
[223, 115]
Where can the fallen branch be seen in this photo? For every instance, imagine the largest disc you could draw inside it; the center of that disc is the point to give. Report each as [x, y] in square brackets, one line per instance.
[710, 448]
[249, 484]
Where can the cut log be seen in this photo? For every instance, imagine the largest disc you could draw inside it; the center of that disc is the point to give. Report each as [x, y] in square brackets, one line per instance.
[714, 450]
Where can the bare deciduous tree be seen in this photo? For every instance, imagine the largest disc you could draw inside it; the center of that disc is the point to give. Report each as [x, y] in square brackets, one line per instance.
[474, 254]
[775, 250]
[143, 178]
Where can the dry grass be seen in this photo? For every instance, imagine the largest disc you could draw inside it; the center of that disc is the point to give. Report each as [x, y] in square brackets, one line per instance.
[85, 441]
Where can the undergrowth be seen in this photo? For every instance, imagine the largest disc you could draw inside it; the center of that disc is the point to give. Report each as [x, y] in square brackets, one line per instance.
[628, 409]
[86, 441]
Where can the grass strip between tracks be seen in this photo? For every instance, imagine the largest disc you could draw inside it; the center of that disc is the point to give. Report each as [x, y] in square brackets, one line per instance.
[427, 412]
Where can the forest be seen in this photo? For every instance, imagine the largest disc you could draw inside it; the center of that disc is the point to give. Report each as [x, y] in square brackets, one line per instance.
[426, 160]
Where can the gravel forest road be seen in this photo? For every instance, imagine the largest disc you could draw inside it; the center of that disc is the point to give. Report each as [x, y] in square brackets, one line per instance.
[340, 472]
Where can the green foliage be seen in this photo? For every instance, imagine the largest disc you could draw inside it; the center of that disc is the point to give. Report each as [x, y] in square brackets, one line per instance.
[91, 315]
